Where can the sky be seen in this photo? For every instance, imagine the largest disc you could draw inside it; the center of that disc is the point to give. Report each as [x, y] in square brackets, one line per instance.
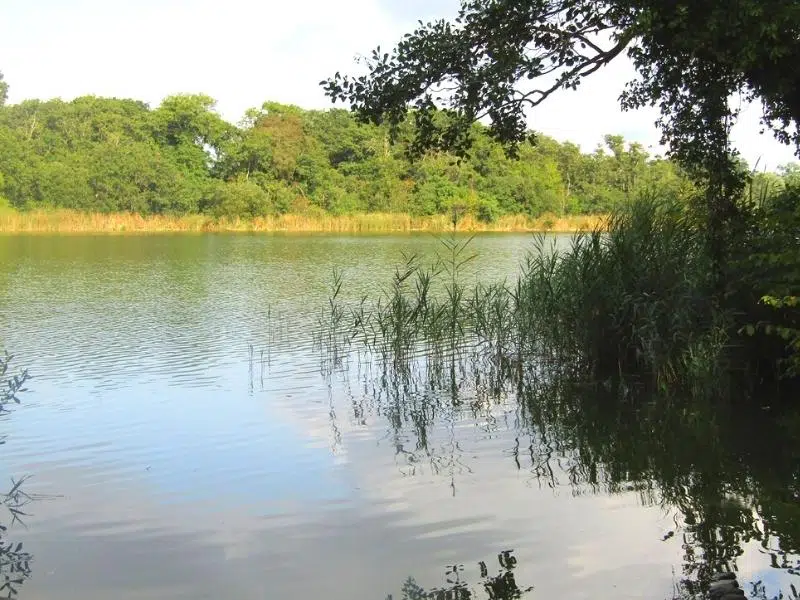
[243, 53]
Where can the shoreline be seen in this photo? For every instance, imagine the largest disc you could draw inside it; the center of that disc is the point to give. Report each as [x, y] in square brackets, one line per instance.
[76, 222]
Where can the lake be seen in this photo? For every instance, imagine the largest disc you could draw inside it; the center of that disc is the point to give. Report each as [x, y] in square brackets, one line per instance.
[186, 439]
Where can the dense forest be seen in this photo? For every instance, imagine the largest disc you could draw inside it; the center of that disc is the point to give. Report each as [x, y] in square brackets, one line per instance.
[107, 154]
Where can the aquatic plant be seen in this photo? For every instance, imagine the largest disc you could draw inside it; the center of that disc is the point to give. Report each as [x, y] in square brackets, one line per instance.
[14, 560]
[634, 298]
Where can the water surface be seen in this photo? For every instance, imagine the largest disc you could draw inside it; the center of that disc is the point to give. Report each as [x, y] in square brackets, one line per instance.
[188, 443]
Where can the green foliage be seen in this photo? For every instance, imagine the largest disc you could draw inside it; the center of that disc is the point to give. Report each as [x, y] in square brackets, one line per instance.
[487, 209]
[665, 286]
[786, 311]
[3, 90]
[497, 58]
[108, 154]
[765, 279]
[65, 184]
[633, 301]
[14, 560]
[11, 384]
[239, 198]
[139, 178]
[189, 127]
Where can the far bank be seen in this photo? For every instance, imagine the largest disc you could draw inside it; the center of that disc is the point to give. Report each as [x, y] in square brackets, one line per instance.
[69, 221]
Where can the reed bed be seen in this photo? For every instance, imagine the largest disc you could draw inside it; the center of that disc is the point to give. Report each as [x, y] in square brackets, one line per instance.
[70, 221]
[629, 299]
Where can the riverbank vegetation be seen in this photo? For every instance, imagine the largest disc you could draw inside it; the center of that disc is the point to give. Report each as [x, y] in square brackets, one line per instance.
[73, 221]
[618, 367]
[109, 155]
[695, 291]
[634, 300]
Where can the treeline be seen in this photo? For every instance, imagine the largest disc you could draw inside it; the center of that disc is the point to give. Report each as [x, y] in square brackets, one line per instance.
[107, 155]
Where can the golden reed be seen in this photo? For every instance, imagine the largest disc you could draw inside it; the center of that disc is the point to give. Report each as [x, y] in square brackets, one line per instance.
[69, 221]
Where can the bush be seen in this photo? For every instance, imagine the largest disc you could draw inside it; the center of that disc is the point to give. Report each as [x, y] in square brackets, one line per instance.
[487, 210]
[281, 196]
[764, 284]
[335, 200]
[435, 195]
[237, 199]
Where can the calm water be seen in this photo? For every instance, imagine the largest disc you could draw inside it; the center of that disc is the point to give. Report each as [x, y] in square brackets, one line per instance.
[185, 442]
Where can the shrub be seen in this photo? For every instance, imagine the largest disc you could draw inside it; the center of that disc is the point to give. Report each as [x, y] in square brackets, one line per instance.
[237, 199]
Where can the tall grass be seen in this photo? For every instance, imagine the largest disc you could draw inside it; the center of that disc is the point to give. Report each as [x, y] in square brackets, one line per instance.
[634, 299]
[69, 221]
[630, 299]
[616, 351]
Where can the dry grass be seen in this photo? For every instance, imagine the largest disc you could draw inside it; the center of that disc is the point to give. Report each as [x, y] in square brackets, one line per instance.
[68, 221]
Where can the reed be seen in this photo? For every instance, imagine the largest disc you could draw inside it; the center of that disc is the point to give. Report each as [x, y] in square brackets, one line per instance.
[71, 221]
[629, 299]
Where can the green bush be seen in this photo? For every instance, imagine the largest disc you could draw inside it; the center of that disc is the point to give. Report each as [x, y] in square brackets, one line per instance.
[280, 196]
[487, 210]
[435, 195]
[764, 282]
[237, 199]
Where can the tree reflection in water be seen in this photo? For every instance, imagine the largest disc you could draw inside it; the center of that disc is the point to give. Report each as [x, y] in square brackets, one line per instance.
[501, 586]
[728, 470]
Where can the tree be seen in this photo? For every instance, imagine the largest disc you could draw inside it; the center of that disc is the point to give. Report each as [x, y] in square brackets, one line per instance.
[499, 57]
[3, 90]
[791, 174]
[188, 124]
[110, 154]
[690, 57]
[137, 177]
[342, 137]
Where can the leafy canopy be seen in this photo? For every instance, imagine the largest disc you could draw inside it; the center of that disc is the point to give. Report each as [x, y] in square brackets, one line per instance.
[499, 57]
[111, 154]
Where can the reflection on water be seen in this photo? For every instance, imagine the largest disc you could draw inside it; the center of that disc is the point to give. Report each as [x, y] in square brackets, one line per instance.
[727, 475]
[14, 560]
[200, 448]
[500, 586]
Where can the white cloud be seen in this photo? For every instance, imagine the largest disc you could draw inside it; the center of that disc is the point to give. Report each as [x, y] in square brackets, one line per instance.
[243, 52]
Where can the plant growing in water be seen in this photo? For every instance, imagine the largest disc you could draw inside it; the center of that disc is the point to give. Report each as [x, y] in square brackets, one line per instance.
[14, 560]
[633, 300]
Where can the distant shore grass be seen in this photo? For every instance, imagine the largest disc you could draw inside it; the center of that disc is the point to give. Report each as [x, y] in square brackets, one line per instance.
[69, 221]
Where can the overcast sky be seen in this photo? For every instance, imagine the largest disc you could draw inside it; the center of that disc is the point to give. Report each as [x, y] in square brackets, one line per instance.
[243, 52]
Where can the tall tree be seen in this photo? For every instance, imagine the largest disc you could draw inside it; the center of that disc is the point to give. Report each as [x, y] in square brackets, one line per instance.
[499, 57]
[3, 90]
[189, 125]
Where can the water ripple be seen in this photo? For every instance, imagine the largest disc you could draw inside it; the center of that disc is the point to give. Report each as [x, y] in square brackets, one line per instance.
[195, 447]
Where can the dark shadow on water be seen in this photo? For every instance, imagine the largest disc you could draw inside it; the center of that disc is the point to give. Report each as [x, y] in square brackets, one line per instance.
[728, 470]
